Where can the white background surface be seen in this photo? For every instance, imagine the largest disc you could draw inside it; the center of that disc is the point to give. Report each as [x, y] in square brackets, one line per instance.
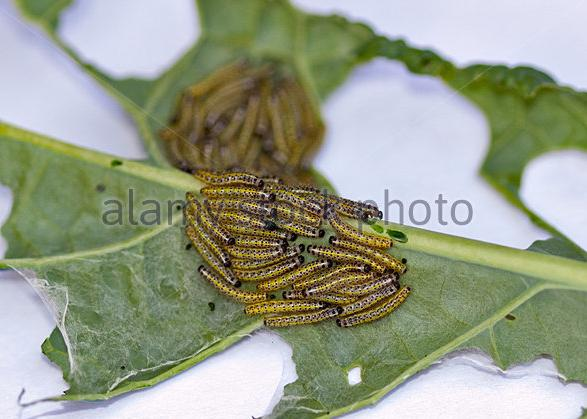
[415, 138]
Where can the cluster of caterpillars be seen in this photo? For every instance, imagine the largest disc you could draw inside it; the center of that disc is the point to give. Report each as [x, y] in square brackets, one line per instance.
[252, 117]
[245, 229]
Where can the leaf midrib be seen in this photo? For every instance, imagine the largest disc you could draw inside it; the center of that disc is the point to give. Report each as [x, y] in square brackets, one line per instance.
[174, 179]
[566, 273]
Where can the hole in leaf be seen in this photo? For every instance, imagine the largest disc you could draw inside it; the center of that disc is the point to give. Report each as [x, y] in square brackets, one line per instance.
[115, 163]
[143, 38]
[100, 187]
[510, 316]
[188, 246]
[354, 376]
[212, 306]
[560, 176]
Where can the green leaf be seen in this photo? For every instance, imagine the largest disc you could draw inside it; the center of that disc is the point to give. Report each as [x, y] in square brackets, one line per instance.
[463, 297]
[64, 189]
[467, 294]
[46, 11]
[529, 114]
[138, 303]
[126, 295]
[130, 309]
[320, 50]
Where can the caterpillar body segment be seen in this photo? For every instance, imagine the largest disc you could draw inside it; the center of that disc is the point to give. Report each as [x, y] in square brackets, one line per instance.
[283, 306]
[369, 300]
[259, 242]
[243, 229]
[377, 312]
[237, 192]
[291, 277]
[370, 286]
[385, 259]
[346, 256]
[233, 292]
[270, 271]
[304, 318]
[329, 275]
[247, 230]
[254, 253]
[210, 258]
[228, 178]
[208, 221]
[347, 231]
[345, 280]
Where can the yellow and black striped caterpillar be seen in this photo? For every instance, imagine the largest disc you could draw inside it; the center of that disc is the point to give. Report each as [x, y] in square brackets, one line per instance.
[270, 271]
[376, 254]
[256, 264]
[237, 192]
[304, 318]
[345, 230]
[376, 312]
[228, 178]
[229, 290]
[243, 236]
[283, 306]
[346, 256]
[289, 278]
[208, 221]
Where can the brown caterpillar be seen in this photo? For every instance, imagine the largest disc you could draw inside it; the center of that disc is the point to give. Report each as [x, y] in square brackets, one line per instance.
[254, 117]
